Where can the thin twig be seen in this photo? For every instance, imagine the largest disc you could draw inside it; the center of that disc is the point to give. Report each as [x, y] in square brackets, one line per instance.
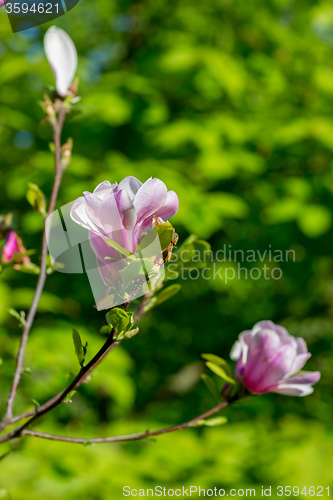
[57, 129]
[52, 400]
[128, 437]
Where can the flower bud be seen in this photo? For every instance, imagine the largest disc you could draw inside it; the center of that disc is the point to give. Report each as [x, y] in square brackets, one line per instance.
[14, 246]
[10, 247]
[62, 56]
[268, 359]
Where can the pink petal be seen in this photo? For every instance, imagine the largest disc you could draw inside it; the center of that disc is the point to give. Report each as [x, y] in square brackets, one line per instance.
[131, 185]
[150, 197]
[301, 346]
[170, 207]
[304, 378]
[126, 209]
[268, 361]
[299, 362]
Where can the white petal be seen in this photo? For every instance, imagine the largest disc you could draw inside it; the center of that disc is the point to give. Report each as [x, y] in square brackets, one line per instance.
[104, 189]
[79, 215]
[294, 389]
[62, 57]
[236, 351]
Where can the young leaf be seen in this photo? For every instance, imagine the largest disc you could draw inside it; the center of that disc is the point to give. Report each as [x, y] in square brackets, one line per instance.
[36, 198]
[29, 268]
[218, 370]
[68, 398]
[105, 330]
[165, 233]
[218, 361]
[210, 422]
[164, 295]
[80, 350]
[210, 384]
[20, 316]
[35, 403]
[118, 319]
[131, 333]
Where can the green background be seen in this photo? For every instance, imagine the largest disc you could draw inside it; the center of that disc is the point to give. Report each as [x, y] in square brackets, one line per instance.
[230, 104]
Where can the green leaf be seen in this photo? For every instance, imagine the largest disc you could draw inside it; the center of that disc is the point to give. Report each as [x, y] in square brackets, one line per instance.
[68, 398]
[20, 316]
[35, 403]
[210, 384]
[36, 198]
[164, 295]
[218, 370]
[80, 349]
[165, 233]
[122, 251]
[29, 268]
[105, 330]
[210, 422]
[131, 333]
[218, 361]
[118, 319]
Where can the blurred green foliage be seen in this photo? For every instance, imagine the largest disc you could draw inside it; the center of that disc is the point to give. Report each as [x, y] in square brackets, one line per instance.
[230, 104]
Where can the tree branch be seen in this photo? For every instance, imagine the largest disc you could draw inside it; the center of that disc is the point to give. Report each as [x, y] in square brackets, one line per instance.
[55, 398]
[128, 437]
[57, 129]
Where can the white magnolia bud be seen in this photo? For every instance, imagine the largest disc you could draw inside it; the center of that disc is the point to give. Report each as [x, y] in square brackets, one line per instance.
[62, 56]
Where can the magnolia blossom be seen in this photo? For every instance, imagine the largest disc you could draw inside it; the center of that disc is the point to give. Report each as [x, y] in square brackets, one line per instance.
[3, 2]
[62, 56]
[121, 213]
[268, 359]
[10, 247]
[13, 246]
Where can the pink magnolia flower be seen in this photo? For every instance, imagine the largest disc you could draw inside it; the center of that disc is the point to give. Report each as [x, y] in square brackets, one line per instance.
[10, 247]
[121, 213]
[268, 359]
[3, 2]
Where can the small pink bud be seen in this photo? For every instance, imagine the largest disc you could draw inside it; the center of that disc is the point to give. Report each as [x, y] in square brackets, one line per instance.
[10, 247]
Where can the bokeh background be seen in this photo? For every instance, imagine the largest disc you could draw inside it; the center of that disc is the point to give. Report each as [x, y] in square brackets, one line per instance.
[230, 104]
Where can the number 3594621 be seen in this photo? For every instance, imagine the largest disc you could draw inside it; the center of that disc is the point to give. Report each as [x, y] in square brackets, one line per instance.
[312, 491]
[38, 8]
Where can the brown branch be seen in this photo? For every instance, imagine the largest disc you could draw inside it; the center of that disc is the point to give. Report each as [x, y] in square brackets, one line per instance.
[52, 400]
[128, 437]
[57, 129]
[57, 400]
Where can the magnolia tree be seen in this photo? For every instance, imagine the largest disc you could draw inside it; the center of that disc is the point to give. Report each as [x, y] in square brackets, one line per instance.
[129, 244]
